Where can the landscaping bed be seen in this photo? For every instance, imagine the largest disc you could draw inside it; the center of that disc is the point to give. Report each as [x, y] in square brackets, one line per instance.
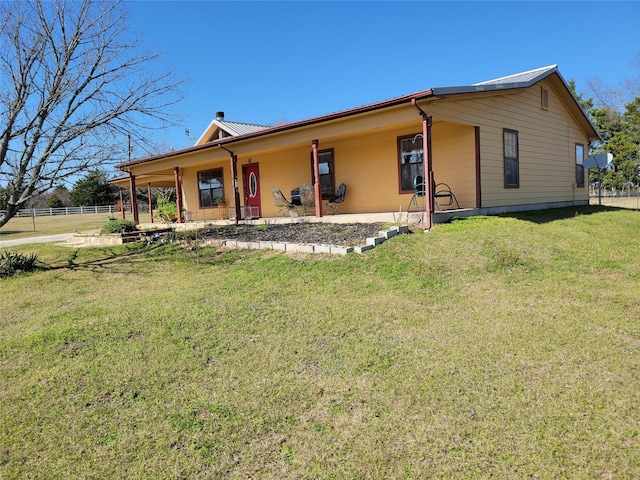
[345, 234]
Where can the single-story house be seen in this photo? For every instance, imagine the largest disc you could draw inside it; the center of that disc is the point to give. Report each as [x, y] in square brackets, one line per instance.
[508, 144]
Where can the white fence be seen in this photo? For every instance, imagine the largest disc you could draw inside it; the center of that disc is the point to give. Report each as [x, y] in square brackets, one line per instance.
[625, 198]
[613, 192]
[47, 212]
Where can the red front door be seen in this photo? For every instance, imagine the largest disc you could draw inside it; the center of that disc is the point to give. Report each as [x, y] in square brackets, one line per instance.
[251, 178]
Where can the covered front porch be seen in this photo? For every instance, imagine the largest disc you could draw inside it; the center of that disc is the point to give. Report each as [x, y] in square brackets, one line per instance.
[378, 158]
[132, 184]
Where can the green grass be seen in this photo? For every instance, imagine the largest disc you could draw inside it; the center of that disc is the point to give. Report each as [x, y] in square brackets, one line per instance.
[504, 347]
[23, 227]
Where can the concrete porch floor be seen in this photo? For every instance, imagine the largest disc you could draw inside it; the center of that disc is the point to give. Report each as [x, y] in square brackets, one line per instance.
[397, 218]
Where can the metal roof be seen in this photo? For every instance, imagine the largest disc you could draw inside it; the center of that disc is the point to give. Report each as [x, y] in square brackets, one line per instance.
[517, 80]
[523, 78]
[234, 129]
[238, 128]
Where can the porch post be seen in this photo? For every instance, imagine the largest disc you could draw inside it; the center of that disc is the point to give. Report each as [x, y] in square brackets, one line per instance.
[478, 178]
[234, 178]
[316, 174]
[149, 198]
[429, 204]
[176, 177]
[122, 203]
[430, 184]
[133, 198]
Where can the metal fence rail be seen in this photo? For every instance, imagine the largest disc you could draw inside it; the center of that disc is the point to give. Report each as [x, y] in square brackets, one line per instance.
[47, 212]
[630, 191]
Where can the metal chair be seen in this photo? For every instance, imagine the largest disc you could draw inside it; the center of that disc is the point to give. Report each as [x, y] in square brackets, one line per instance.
[335, 202]
[419, 186]
[440, 191]
[284, 205]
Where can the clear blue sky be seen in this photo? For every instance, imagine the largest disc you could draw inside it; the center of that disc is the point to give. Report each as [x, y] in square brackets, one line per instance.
[267, 62]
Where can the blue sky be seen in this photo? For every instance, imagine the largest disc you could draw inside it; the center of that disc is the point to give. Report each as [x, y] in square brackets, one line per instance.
[268, 62]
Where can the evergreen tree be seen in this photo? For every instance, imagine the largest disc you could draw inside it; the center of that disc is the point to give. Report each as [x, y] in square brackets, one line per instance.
[4, 196]
[93, 190]
[54, 201]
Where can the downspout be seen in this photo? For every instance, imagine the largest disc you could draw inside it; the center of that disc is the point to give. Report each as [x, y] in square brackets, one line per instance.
[316, 173]
[426, 133]
[234, 178]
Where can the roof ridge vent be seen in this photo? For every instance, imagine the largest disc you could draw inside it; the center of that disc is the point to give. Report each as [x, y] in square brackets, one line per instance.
[220, 116]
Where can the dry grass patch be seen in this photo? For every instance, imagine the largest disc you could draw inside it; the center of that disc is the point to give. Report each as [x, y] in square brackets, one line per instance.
[23, 227]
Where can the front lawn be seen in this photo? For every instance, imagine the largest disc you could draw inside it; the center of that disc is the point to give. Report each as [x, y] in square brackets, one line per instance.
[504, 347]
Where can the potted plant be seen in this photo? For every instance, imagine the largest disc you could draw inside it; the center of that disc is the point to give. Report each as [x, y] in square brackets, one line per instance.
[222, 208]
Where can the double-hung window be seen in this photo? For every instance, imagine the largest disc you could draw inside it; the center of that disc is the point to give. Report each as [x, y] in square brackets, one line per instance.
[511, 159]
[579, 165]
[410, 161]
[210, 187]
[326, 171]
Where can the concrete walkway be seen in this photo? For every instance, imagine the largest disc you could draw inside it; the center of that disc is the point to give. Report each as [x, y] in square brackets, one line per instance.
[61, 237]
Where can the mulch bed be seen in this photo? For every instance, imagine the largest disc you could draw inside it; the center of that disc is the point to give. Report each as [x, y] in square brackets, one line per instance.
[340, 234]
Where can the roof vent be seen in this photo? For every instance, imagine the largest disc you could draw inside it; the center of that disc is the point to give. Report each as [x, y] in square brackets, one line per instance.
[220, 116]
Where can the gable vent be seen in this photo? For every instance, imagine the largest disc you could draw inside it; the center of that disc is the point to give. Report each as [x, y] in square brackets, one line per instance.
[544, 98]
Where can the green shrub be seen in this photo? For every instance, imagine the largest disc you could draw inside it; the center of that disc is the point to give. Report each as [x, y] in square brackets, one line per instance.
[119, 226]
[12, 263]
[167, 211]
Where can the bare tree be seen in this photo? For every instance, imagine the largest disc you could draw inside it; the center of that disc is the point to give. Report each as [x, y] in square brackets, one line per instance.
[614, 98]
[75, 90]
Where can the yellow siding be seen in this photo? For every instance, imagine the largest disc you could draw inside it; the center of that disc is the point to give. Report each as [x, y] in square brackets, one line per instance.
[368, 164]
[454, 160]
[547, 169]
[189, 177]
[372, 188]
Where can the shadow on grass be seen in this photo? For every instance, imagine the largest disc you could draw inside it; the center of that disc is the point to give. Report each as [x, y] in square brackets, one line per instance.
[99, 259]
[134, 256]
[549, 215]
[553, 214]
